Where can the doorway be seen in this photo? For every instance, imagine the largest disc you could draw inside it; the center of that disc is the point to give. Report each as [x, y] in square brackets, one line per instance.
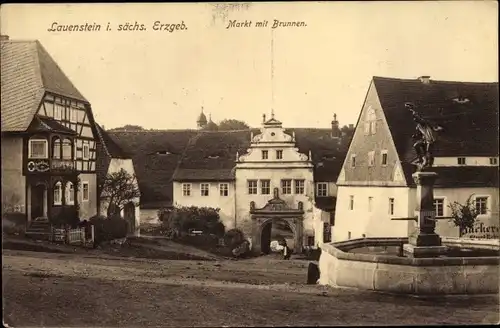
[265, 239]
[129, 216]
[37, 201]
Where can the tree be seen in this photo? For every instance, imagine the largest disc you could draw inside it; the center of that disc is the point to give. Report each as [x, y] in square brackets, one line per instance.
[232, 124]
[464, 215]
[118, 189]
[129, 127]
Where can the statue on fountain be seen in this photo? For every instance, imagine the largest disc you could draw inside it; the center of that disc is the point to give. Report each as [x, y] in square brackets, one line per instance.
[424, 140]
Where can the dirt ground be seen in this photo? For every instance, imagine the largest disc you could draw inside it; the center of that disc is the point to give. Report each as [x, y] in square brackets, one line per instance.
[58, 289]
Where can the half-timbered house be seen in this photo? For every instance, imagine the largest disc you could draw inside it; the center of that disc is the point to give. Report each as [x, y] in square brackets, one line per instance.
[48, 137]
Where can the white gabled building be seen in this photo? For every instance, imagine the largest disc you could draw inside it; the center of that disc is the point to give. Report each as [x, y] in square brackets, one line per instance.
[375, 183]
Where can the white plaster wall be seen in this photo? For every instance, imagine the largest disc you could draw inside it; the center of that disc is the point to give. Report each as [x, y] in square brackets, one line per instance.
[447, 229]
[88, 208]
[374, 223]
[13, 181]
[214, 199]
[115, 165]
[469, 161]
[243, 199]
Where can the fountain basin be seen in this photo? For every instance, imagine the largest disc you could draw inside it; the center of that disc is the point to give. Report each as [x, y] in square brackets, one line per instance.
[379, 264]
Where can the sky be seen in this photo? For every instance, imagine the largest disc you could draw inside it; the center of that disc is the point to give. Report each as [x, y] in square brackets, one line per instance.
[161, 79]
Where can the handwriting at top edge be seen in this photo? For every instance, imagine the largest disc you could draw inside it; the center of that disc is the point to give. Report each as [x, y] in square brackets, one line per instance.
[265, 23]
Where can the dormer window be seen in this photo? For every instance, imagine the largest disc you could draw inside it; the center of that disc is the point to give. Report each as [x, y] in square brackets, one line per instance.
[265, 154]
[279, 154]
[461, 161]
[163, 152]
[353, 160]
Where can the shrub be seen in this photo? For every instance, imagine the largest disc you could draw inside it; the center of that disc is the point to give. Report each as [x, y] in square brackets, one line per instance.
[180, 220]
[106, 229]
[464, 215]
[233, 238]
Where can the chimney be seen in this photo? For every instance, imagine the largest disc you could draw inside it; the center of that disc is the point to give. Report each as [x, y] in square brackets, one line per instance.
[4, 37]
[351, 126]
[263, 118]
[425, 79]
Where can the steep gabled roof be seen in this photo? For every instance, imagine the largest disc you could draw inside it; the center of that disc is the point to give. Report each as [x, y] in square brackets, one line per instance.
[27, 72]
[468, 112]
[156, 155]
[111, 147]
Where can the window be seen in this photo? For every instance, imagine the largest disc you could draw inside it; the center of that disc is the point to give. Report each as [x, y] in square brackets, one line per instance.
[265, 187]
[74, 115]
[58, 111]
[58, 193]
[286, 187]
[264, 154]
[67, 149]
[38, 148]
[384, 158]
[351, 203]
[70, 194]
[56, 148]
[439, 206]
[493, 161]
[252, 187]
[321, 189]
[86, 151]
[391, 206]
[370, 201]
[186, 189]
[310, 240]
[461, 160]
[332, 218]
[370, 121]
[224, 189]
[481, 205]
[85, 191]
[353, 160]
[204, 189]
[371, 158]
[279, 154]
[299, 187]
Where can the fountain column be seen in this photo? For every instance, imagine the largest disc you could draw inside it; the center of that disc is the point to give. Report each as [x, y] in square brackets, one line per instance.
[424, 242]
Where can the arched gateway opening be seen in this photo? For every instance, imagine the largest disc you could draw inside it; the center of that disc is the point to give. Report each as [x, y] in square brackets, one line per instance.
[276, 213]
[274, 231]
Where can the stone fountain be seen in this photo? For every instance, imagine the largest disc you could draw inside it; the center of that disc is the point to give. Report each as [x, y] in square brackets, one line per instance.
[421, 264]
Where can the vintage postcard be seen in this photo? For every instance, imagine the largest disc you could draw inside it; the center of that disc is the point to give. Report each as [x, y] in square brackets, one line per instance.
[250, 164]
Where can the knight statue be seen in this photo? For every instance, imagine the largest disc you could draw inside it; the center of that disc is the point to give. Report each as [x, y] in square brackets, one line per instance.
[425, 138]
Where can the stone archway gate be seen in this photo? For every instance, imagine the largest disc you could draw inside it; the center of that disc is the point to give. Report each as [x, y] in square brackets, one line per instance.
[277, 209]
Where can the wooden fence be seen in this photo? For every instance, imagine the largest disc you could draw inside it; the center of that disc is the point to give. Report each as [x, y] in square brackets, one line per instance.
[78, 236]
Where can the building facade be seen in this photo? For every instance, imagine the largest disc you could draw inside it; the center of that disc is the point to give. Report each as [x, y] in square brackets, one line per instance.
[111, 158]
[257, 177]
[48, 137]
[375, 184]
